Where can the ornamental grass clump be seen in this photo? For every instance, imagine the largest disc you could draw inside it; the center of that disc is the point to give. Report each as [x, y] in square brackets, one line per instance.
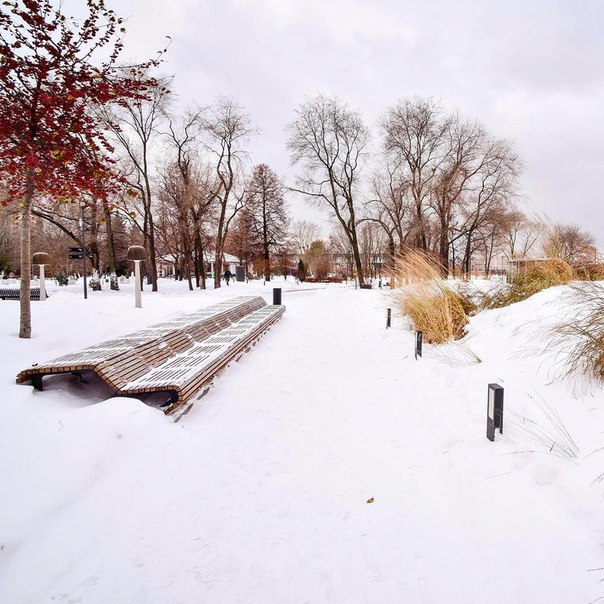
[577, 341]
[592, 271]
[426, 298]
[537, 276]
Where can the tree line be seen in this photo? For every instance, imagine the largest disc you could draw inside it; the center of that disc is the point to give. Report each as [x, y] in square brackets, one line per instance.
[77, 132]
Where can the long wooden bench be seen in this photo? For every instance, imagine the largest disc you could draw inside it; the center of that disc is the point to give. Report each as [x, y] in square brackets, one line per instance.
[178, 357]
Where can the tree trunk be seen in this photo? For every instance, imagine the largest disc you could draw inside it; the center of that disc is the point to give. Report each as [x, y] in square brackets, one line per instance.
[453, 259]
[267, 262]
[202, 266]
[25, 301]
[94, 240]
[443, 248]
[467, 256]
[110, 239]
[391, 262]
[218, 267]
[354, 243]
[219, 248]
[197, 258]
[152, 256]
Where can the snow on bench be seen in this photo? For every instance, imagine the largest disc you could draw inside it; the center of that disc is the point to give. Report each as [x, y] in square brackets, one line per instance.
[188, 372]
[139, 355]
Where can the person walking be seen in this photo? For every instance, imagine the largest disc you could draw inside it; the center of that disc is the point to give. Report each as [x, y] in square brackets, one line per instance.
[227, 276]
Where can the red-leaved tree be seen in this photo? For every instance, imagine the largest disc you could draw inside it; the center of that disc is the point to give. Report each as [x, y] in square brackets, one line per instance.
[51, 144]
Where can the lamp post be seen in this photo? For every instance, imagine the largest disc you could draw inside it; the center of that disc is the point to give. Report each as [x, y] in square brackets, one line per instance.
[137, 253]
[41, 258]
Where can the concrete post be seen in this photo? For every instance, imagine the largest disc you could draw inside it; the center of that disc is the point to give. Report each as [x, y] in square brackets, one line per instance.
[42, 284]
[137, 284]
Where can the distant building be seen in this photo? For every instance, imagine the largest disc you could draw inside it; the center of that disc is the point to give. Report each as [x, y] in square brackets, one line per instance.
[168, 265]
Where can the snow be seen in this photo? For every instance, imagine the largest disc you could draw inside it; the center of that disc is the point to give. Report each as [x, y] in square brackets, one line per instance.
[260, 493]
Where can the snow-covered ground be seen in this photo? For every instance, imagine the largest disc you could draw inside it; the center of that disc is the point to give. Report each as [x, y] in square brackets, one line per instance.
[260, 494]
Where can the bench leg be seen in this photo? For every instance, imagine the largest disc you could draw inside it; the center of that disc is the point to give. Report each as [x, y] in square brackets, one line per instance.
[79, 375]
[36, 381]
[171, 401]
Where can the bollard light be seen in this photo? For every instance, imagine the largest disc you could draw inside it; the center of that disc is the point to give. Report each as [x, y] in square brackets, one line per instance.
[418, 344]
[41, 258]
[494, 410]
[388, 317]
[137, 253]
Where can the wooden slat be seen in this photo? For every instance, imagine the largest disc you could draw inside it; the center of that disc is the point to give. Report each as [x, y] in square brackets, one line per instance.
[191, 384]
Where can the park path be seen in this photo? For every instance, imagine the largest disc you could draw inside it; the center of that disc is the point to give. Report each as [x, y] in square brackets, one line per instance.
[327, 465]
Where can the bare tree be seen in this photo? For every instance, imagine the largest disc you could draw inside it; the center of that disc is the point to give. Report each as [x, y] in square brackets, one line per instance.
[520, 233]
[339, 248]
[302, 234]
[463, 160]
[227, 130]
[185, 188]
[135, 126]
[571, 243]
[493, 191]
[416, 132]
[374, 245]
[328, 139]
[392, 206]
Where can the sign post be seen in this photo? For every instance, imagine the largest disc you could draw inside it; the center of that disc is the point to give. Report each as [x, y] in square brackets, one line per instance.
[77, 253]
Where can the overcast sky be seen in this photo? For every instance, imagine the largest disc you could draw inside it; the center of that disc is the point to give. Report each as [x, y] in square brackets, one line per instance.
[529, 70]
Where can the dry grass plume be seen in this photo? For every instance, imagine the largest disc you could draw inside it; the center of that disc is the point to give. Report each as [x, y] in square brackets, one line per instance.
[577, 341]
[426, 298]
[530, 280]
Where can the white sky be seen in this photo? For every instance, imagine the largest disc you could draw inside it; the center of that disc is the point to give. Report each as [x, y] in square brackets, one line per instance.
[529, 70]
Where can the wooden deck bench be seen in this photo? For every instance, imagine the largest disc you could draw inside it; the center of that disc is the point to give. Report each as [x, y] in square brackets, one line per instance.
[14, 293]
[178, 357]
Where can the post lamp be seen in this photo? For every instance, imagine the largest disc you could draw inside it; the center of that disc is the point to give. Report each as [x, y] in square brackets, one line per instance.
[494, 410]
[137, 253]
[419, 338]
[41, 258]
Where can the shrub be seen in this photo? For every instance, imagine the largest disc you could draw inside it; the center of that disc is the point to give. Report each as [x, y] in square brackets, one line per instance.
[536, 277]
[590, 272]
[433, 307]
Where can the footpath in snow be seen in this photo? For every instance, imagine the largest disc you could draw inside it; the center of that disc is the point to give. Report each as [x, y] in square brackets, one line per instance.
[260, 494]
